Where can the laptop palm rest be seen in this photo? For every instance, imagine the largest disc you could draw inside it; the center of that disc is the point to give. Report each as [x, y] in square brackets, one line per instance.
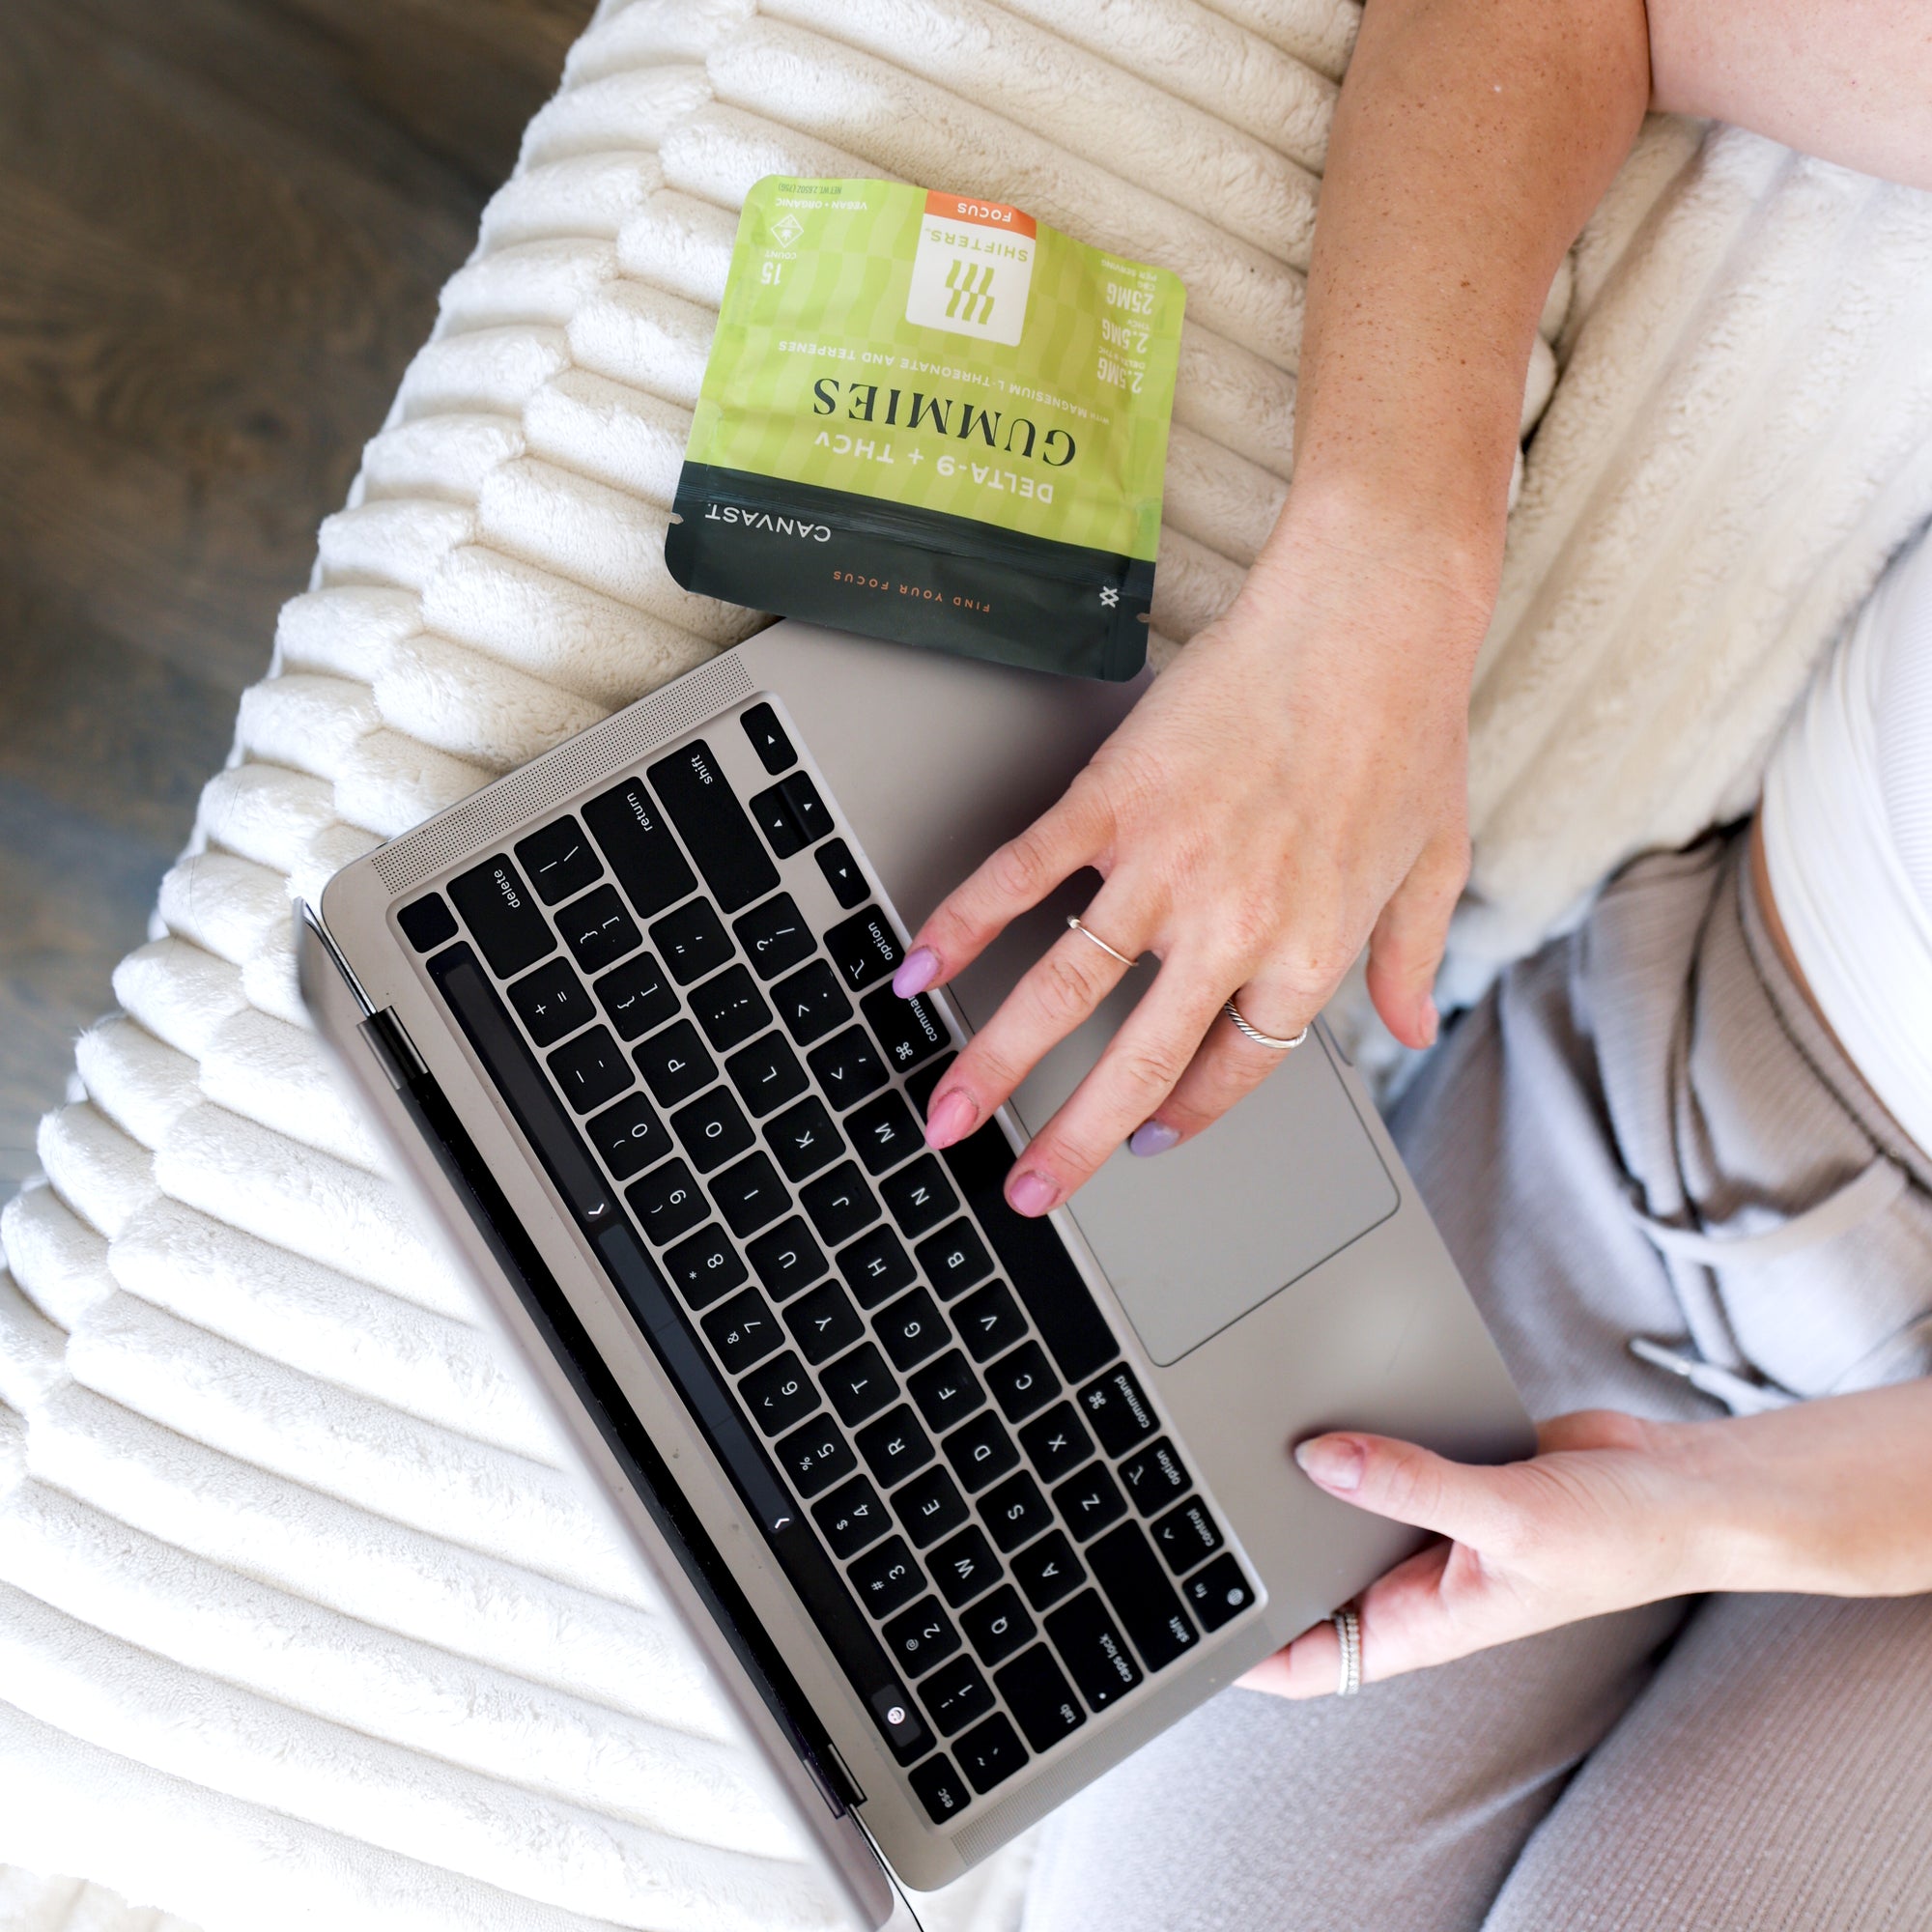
[1194, 1239]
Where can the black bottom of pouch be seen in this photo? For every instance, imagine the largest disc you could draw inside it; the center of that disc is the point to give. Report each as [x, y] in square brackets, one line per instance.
[918, 576]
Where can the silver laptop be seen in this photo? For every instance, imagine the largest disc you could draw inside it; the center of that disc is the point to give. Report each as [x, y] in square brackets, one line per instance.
[961, 1507]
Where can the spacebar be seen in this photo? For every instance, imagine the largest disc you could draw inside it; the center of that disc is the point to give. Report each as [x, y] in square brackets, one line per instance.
[553, 1137]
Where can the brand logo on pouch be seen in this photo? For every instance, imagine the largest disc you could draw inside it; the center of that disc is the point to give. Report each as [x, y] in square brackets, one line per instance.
[785, 230]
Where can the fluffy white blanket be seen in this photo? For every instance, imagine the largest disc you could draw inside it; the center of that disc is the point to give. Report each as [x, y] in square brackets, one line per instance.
[301, 1623]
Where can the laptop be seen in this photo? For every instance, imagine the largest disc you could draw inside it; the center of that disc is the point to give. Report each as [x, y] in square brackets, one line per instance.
[960, 1507]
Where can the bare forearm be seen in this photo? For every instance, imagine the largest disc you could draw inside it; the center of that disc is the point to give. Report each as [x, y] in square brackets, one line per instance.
[1831, 1497]
[1471, 140]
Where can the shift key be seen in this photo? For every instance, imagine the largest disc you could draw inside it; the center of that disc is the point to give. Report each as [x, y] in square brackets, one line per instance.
[1126, 1568]
[715, 827]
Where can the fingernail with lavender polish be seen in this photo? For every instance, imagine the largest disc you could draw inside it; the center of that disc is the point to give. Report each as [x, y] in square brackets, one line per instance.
[1151, 1137]
[1432, 1023]
[1033, 1193]
[918, 970]
[1335, 1461]
[952, 1119]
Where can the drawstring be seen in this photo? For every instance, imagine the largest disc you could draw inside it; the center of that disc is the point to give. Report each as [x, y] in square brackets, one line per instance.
[1851, 1206]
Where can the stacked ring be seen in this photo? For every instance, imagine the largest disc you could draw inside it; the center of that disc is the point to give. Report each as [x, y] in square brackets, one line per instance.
[1254, 1033]
[1088, 932]
[1347, 1624]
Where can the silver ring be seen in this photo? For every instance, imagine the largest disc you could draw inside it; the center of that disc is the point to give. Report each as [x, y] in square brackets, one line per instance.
[1088, 932]
[1349, 1628]
[1255, 1033]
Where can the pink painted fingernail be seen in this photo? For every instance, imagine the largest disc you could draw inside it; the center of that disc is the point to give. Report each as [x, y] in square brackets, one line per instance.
[918, 970]
[952, 1119]
[1151, 1137]
[1335, 1461]
[1032, 1193]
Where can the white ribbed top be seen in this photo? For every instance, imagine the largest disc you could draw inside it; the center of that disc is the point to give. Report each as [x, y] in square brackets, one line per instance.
[1848, 839]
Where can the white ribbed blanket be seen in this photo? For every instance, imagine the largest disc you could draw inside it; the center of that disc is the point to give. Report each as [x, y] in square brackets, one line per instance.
[301, 1623]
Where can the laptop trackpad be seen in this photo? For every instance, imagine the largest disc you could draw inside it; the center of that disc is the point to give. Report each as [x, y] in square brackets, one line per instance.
[1194, 1238]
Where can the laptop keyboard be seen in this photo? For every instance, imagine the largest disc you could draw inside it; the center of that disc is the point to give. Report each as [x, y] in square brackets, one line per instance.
[911, 1386]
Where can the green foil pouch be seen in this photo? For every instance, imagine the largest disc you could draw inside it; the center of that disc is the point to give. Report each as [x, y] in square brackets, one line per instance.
[932, 419]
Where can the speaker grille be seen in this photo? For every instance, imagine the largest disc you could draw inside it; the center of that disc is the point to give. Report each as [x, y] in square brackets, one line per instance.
[509, 804]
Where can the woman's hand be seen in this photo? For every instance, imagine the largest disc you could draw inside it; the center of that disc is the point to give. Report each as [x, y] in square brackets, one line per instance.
[1828, 1497]
[1292, 784]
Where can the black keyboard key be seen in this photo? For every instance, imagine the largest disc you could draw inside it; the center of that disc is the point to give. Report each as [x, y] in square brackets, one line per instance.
[1153, 1476]
[802, 1138]
[1016, 1512]
[1022, 1382]
[773, 815]
[768, 739]
[939, 1788]
[922, 1085]
[638, 996]
[743, 1332]
[691, 941]
[779, 1394]
[847, 1068]
[428, 923]
[693, 790]
[551, 1002]
[642, 852]
[750, 1195]
[947, 1391]
[859, 1385]
[852, 1517]
[766, 1074]
[911, 1330]
[919, 1195]
[840, 1204]
[1219, 1594]
[811, 1003]
[1093, 1649]
[667, 1203]
[591, 1070]
[712, 1129]
[981, 1452]
[1056, 1443]
[1118, 1411]
[774, 935]
[598, 929]
[887, 1579]
[1185, 1534]
[955, 1694]
[823, 1322]
[629, 1136]
[920, 1638]
[808, 810]
[965, 1566]
[1040, 1698]
[876, 1266]
[885, 1132]
[787, 1258]
[895, 1445]
[908, 1031]
[729, 1007]
[989, 1321]
[706, 1267]
[955, 1258]
[1133, 1582]
[1047, 1569]
[816, 1455]
[1036, 1259]
[1090, 1501]
[990, 1753]
[674, 1063]
[998, 1624]
[560, 861]
[864, 947]
[929, 1507]
[841, 873]
[501, 914]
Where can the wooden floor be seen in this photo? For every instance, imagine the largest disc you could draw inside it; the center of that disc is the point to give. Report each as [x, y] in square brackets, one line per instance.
[222, 226]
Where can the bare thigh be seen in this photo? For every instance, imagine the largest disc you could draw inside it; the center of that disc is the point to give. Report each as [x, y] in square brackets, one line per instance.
[1402, 1809]
[1776, 1775]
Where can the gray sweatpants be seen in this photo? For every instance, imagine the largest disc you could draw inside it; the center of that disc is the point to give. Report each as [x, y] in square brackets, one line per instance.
[1643, 1131]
